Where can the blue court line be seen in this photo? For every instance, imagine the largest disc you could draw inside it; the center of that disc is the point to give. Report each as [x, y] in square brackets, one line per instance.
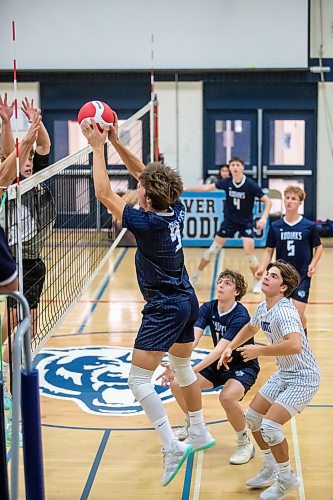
[212, 289]
[106, 282]
[71, 427]
[188, 477]
[95, 465]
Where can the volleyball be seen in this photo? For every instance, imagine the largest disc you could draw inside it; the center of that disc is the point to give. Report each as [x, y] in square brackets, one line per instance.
[98, 111]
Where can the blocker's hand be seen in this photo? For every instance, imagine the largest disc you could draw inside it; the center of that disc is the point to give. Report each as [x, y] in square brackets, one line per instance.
[91, 132]
[29, 109]
[31, 135]
[249, 351]
[6, 110]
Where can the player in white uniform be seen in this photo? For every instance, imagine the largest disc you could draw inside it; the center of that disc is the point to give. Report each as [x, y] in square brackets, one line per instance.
[290, 388]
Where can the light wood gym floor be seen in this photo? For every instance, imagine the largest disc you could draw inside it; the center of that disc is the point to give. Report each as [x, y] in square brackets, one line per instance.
[111, 457]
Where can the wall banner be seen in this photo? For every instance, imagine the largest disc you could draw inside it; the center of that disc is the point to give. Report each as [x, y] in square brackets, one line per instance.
[204, 214]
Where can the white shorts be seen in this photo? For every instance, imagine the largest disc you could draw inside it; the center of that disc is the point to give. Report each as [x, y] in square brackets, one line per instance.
[293, 394]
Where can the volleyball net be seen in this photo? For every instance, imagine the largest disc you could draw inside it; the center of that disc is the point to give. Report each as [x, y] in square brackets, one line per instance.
[60, 234]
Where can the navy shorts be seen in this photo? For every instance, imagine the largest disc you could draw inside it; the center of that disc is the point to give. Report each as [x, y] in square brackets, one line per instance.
[228, 230]
[302, 292]
[246, 375]
[34, 271]
[164, 324]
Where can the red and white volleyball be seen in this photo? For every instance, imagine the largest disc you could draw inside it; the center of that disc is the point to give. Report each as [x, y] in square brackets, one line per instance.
[98, 111]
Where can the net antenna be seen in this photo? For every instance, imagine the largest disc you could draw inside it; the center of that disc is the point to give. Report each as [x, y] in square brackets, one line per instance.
[18, 195]
[67, 228]
[155, 153]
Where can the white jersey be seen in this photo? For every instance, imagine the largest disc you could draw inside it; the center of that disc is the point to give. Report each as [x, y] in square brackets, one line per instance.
[279, 321]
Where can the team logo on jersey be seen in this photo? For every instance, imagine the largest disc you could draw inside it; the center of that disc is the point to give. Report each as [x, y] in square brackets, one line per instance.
[301, 293]
[95, 378]
[239, 373]
[248, 231]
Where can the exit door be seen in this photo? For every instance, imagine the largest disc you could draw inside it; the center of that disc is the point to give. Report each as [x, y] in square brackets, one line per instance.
[277, 147]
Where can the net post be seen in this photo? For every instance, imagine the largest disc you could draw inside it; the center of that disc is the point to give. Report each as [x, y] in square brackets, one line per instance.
[22, 330]
[151, 119]
[3, 452]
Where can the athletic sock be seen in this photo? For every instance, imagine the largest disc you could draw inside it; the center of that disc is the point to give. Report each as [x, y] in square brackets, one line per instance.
[163, 427]
[197, 422]
[269, 459]
[242, 436]
[284, 470]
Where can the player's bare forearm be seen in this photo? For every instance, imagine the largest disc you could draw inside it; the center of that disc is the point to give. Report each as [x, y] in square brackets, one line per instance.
[8, 171]
[291, 345]
[133, 164]
[43, 141]
[11, 287]
[212, 356]
[247, 332]
[268, 205]
[316, 256]
[7, 139]
[198, 332]
[317, 253]
[8, 166]
[102, 185]
[266, 259]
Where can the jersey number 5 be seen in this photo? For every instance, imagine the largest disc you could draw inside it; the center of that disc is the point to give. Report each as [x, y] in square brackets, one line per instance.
[291, 248]
[176, 236]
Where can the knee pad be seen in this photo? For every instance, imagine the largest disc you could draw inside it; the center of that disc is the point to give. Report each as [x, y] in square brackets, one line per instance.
[139, 381]
[212, 250]
[183, 370]
[253, 261]
[253, 420]
[271, 432]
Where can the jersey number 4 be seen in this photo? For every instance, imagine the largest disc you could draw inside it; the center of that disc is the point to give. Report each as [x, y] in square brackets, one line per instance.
[236, 202]
[176, 236]
[291, 248]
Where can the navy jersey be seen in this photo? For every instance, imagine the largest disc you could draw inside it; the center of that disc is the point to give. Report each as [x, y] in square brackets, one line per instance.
[239, 199]
[159, 259]
[225, 326]
[294, 243]
[8, 270]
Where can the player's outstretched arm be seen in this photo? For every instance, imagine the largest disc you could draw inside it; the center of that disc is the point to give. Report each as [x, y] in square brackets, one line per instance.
[7, 139]
[212, 356]
[291, 344]
[103, 191]
[43, 139]
[133, 164]
[8, 167]
[247, 332]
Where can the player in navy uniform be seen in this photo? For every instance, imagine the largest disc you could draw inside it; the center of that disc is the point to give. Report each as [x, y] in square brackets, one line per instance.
[297, 241]
[240, 195]
[225, 317]
[171, 305]
[8, 271]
